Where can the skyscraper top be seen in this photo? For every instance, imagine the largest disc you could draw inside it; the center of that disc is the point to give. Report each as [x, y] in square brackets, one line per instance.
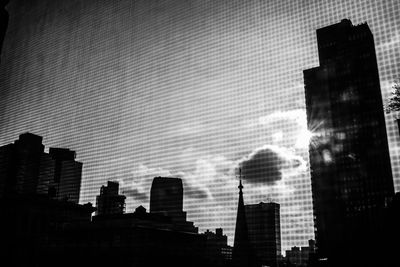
[166, 195]
[30, 138]
[336, 38]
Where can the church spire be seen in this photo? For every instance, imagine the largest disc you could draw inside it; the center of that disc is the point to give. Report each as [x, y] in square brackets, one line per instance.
[241, 247]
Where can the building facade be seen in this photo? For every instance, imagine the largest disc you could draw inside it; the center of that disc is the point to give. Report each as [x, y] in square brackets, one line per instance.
[349, 157]
[263, 223]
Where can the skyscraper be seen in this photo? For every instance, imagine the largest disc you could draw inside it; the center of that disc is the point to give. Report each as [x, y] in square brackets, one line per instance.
[20, 165]
[349, 157]
[110, 201]
[60, 174]
[166, 198]
[263, 224]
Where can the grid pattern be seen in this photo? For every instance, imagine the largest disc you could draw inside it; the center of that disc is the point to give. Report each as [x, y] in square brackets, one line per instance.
[188, 89]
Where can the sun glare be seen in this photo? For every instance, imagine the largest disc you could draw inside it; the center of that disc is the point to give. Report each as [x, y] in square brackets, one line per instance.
[303, 139]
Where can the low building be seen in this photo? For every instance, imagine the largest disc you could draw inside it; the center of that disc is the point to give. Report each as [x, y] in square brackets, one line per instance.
[131, 239]
[110, 201]
[299, 257]
[218, 253]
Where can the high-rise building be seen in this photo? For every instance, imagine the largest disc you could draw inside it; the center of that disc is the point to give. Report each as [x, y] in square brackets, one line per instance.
[26, 169]
[20, 164]
[110, 201]
[349, 157]
[263, 224]
[60, 175]
[166, 198]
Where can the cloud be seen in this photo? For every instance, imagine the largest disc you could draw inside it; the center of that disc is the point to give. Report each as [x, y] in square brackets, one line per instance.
[202, 176]
[196, 192]
[297, 115]
[210, 185]
[266, 165]
[287, 128]
[393, 42]
[210, 173]
[134, 193]
[135, 183]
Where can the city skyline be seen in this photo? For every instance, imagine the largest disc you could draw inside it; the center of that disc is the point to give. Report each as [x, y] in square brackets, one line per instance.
[191, 91]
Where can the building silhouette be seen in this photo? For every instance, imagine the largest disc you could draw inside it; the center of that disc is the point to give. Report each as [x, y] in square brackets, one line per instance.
[218, 252]
[31, 224]
[20, 165]
[40, 228]
[300, 256]
[39, 194]
[60, 174]
[242, 254]
[349, 157]
[263, 224]
[110, 201]
[134, 239]
[26, 169]
[3, 22]
[166, 198]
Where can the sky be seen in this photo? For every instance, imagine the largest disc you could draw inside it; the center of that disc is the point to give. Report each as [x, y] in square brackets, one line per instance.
[183, 88]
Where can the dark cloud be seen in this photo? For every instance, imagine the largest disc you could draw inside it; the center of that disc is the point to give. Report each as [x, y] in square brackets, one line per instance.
[191, 190]
[135, 194]
[196, 193]
[265, 165]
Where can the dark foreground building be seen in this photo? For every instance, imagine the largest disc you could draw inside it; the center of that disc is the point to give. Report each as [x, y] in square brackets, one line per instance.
[300, 256]
[40, 229]
[31, 224]
[349, 157]
[131, 239]
[218, 252]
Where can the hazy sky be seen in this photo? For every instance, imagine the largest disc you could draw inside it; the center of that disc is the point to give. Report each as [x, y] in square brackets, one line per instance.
[183, 88]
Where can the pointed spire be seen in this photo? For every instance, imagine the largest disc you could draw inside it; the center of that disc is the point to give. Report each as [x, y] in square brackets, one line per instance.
[241, 247]
[240, 182]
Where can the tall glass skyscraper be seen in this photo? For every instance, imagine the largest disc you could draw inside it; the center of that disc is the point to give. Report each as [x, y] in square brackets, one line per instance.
[349, 157]
[186, 89]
